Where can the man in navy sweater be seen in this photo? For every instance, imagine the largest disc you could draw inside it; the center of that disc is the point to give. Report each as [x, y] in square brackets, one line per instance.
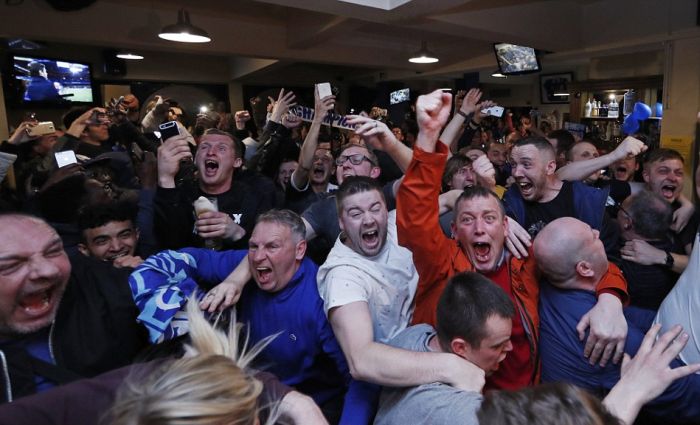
[572, 259]
[283, 302]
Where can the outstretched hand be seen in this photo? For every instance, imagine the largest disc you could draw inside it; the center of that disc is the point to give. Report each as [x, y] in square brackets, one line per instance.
[281, 105]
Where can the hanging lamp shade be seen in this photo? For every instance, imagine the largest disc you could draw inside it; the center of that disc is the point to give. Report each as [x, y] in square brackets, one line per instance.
[424, 55]
[184, 31]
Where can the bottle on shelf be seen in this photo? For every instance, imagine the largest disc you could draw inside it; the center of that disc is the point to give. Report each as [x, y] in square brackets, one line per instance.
[613, 109]
[594, 109]
[603, 111]
[587, 109]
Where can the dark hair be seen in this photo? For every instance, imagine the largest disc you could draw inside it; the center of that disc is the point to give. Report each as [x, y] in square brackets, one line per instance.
[465, 305]
[651, 215]
[547, 404]
[353, 185]
[540, 143]
[477, 191]
[238, 145]
[98, 215]
[285, 217]
[72, 115]
[565, 140]
[663, 154]
[454, 164]
[60, 202]
[35, 68]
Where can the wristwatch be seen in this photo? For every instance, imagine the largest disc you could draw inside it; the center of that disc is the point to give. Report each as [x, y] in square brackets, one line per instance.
[669, 260]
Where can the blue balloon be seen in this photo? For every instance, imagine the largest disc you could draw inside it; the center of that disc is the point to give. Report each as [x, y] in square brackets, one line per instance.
[659, 109]
[641, 111]
[630, 125]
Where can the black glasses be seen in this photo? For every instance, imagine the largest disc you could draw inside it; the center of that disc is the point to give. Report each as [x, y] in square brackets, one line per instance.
[354, 159]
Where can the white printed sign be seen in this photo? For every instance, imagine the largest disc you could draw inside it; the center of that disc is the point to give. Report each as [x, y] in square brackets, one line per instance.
[331, 119]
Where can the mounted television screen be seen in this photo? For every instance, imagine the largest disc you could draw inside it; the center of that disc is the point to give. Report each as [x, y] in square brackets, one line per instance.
[399, 96]
[514, 59]
[50, 81]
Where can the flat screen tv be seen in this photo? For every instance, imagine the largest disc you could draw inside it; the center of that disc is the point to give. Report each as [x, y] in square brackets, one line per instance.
[45, 82]
[513, 59]
[399, 96]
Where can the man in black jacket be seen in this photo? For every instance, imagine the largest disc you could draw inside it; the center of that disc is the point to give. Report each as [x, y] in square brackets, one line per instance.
[239, 200]
[60, 319]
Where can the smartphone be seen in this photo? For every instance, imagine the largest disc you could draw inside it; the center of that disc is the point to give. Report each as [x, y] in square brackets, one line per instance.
[494, 111]
[324, 89]
[169, 129]
[65, 158]
[42, 129]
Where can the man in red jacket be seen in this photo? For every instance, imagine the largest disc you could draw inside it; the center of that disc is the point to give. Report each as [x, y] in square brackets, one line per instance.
[480, 228]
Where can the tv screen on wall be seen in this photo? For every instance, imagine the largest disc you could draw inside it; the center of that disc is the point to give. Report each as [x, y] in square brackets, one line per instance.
[45, 81]
[513, 59]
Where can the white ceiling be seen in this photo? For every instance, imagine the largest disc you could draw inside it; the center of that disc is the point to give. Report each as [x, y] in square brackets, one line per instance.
[267, 37]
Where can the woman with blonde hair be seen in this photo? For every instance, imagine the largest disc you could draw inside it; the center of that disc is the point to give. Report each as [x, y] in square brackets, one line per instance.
[210, 385]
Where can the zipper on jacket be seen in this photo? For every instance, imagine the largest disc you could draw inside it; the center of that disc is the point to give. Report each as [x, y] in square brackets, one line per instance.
[53, 325]
[6, 376]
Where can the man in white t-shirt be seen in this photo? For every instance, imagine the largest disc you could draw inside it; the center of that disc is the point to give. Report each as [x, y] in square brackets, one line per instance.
[367, 285]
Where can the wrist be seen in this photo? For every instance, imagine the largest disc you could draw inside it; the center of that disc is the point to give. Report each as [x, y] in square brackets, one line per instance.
[463, 114]
[166, 182]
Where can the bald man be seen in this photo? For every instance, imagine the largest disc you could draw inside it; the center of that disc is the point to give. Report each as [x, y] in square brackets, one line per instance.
[573, 262]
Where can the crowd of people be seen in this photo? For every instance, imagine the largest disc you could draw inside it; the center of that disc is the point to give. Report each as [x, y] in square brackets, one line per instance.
[452, 268]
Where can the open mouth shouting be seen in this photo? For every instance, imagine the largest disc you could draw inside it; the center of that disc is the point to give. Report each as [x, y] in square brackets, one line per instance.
[527, 189]
[211, 167]
[668, 191]
[264, 276]
[39, 303]
[482, 252]
[319, 172]
[370, 239]
[621, 172]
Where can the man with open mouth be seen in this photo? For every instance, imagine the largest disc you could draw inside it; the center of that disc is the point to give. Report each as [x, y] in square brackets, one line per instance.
[663, 174]
[239, 201]
[311, 179]
[60, 319]
[280, 300]
[480, 228]
[367, 285]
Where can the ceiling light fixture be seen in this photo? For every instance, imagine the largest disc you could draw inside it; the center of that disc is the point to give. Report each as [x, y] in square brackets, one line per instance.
[184, 31]
[129, 56]
[424, 55]
[497, 74]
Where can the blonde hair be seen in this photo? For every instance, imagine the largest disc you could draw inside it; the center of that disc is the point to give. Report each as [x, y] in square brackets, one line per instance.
[208, 386]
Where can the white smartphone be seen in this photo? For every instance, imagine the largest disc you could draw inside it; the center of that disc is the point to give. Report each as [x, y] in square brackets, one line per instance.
[494, 111]
[324, 89]
[65, 158]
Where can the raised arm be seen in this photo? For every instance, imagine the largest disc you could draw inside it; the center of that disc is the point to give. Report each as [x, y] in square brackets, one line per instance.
[300, 177]
[463, 113]
[382, 364]
[579, 170]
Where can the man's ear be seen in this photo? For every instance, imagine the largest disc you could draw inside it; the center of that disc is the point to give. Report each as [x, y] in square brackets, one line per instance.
[645, 175]
[83, 249]
[300, 250]
[460, 347]
[375, 172]
[506, 226]
[237, 163]
[583, 268]
[138, 234]
[551, 167]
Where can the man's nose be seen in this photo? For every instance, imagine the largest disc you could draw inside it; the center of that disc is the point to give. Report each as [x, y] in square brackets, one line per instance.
[42, 268]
